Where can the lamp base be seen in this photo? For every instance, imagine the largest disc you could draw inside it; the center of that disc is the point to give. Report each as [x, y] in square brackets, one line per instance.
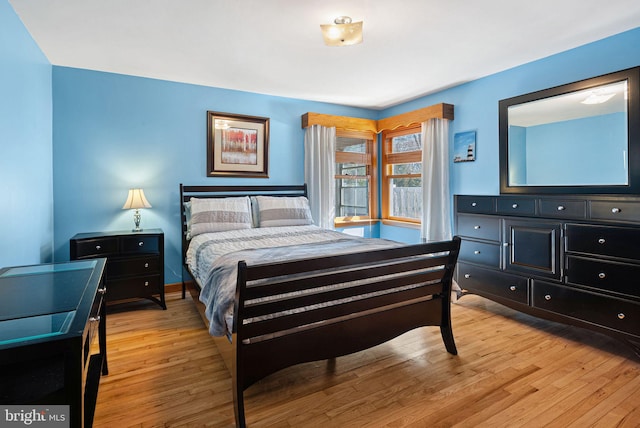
[136, 230]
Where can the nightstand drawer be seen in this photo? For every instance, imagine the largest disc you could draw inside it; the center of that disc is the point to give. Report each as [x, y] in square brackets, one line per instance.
[94, 248]
[138, 286]
[140, 244]
[133, 266]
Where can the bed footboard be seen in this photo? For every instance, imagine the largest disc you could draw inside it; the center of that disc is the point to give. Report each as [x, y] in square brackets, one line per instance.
[312, 309]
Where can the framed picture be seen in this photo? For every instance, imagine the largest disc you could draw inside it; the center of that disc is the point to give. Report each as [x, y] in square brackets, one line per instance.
[237, 146]
[464, 146]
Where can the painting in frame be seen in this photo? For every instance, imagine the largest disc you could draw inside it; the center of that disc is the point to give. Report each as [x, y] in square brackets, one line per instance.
[237, 145]
[464, 146]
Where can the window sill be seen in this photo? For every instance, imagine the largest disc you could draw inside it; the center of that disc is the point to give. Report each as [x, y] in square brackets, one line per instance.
[398, 223]
[359, 222]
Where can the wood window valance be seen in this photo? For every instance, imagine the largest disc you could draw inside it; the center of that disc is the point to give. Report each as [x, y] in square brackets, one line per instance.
[436, 111]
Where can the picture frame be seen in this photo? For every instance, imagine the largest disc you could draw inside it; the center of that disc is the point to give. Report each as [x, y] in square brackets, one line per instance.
[237, 145]
[464, 146]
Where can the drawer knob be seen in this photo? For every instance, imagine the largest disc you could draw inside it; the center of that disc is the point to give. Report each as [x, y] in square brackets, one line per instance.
[102, 290]
[476, 227]
[94, 319]
[98, 247]
[512, 288]
[473, 204]
[615, 210]
[561, 208]
[505, 244]
[476, 252]
[601, 241]
[466, 275]
[514, 206]
[146, 265]
[602, 275]
[621, 316]
[140, 244]
[146, 283]
[547, 297]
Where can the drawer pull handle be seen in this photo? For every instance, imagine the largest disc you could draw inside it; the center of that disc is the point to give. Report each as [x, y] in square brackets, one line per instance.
[476, 252]
[547, 297]
[621, 316]
[473, 204]
[476, 227]
[602, 275]
[601, 241]
[98, 247]
[505, 244]
[561, 208]
[94, 319]
[615, 210]
[140, 244]
[146, 265]
[102, 290]
[466, 275]
[514, 206]
[512, 288]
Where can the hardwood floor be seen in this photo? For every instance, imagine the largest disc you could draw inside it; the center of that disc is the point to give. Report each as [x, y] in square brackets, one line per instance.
[512, 370]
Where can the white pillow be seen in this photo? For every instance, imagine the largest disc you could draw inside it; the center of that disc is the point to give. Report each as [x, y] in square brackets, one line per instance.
[219, 214]
[283, 211]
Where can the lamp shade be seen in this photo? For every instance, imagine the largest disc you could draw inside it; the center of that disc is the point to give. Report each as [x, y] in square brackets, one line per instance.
[342, 33]
[136, 199]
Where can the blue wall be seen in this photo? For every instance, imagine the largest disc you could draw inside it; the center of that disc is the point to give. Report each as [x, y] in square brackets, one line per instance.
[113, 132]
[26, 211]
[476, 102]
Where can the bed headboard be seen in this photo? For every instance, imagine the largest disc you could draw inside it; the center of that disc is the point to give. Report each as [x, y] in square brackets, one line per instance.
[187, 192]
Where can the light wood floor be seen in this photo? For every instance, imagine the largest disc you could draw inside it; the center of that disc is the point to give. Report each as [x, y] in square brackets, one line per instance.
[512, 370]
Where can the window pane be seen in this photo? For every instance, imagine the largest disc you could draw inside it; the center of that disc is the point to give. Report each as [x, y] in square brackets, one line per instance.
[352, 197]
[406, 197]
[350, 169]
[407, 168]
[406, 143]
[352, 145]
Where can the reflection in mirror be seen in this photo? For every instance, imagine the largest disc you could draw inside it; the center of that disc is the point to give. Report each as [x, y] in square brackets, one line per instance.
[581, 137]
[560, 141]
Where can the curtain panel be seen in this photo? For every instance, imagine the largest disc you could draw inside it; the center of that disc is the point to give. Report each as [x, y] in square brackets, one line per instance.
[319, 173]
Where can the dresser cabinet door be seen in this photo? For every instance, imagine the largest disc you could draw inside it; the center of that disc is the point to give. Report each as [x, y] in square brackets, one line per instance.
[532, 248]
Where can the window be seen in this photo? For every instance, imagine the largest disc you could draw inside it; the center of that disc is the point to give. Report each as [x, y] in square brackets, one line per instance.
[402, 175]
[355, 175]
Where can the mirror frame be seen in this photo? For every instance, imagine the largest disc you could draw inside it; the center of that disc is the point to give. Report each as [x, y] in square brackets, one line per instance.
[632, 76]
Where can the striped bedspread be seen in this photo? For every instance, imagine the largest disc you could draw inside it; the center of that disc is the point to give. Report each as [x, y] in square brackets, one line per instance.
[213, 259]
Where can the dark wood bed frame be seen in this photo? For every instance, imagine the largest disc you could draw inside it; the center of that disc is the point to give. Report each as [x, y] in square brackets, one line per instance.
[262, 346]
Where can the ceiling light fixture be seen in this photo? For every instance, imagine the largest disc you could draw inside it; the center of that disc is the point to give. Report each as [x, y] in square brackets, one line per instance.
[342, 33]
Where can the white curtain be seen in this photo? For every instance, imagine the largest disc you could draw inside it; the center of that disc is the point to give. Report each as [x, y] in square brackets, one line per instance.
[319, 173]
[436, 216]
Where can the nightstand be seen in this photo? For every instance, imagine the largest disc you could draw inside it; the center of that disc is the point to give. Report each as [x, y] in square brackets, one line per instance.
[135, 262]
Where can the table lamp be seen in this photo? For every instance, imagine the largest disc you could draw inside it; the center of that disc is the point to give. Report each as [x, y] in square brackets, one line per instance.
[136, 200]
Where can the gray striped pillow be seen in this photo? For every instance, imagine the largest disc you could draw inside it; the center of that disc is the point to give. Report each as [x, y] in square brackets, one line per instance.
[283, 211]
[219, 214]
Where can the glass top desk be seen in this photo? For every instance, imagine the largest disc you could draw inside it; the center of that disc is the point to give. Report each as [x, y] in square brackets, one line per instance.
[49, 316]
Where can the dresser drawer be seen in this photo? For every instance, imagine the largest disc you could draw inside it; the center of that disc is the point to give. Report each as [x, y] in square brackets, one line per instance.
[91, 248]
[479, 227]
[603, 240]
[133, 266]
[477, 279]
[612, 210]
[480, 252]
[140, 244]
[559, 208]
[475, 204]
[516, 206]
[616, 277]
[126, 288]
[618, 314]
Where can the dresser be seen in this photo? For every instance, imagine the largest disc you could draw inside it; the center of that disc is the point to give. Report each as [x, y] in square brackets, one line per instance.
[135, 262]
[572, 259]
[50, 316]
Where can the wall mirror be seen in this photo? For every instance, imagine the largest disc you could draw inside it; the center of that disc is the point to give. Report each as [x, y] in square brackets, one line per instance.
[582, 137]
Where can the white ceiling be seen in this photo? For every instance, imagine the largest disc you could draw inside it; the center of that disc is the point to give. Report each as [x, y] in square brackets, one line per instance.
[411, 47]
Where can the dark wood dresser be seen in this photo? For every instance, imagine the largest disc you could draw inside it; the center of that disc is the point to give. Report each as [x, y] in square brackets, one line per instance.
[572, 259]
[135, 262]
[49, 317]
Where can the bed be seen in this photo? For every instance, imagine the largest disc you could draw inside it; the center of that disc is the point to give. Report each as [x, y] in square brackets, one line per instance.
[284, 292]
